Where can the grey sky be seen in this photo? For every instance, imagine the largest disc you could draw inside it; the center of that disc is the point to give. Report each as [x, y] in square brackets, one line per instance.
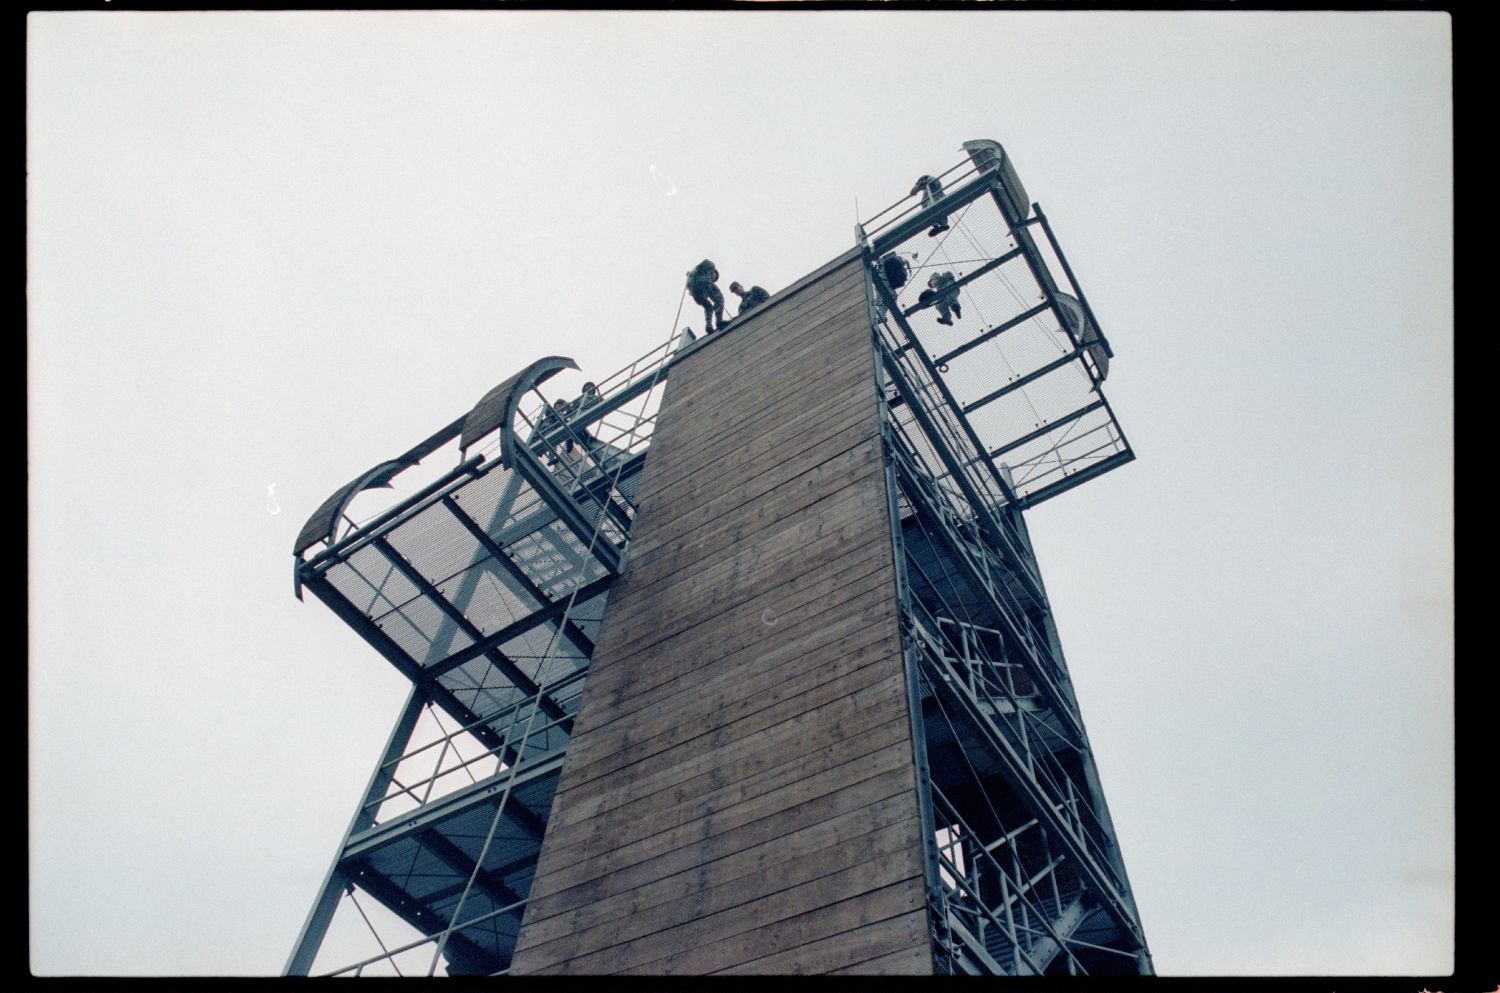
[267, 250]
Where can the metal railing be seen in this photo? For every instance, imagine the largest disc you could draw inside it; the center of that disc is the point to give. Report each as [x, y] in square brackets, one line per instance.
[421, 789]
[988, 894]
[389, 955]
[1040, 780]
[911, 204]
[961, 535]
[936, 437]
[1025, 729]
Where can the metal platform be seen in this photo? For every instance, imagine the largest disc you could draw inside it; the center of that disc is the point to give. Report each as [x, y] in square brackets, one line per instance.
[486, 589]
[1018, 375]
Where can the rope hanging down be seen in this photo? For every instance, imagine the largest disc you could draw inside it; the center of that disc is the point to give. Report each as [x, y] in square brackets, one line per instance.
[542, 686]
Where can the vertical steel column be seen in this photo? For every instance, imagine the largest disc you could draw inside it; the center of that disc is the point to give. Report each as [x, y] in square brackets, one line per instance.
[1097, 802]
[315, 928]
[930, 859]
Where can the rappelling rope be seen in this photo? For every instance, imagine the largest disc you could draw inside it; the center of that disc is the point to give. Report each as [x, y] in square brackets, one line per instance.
[541, 666]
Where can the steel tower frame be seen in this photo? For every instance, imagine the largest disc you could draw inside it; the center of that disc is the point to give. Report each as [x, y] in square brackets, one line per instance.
[486, 588]
[1025, 874]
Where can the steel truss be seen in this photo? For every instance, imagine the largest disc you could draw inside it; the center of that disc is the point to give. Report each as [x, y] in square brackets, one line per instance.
[487, 585]
[1025, 875]
[486, 589]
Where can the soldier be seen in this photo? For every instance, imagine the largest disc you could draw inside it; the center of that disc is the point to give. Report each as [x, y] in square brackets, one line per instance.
[946, 294]
[932, 191]
[588, 398]
[554, 422]
[895, 270]
[700, 283]
[551, 429]
[751, 298]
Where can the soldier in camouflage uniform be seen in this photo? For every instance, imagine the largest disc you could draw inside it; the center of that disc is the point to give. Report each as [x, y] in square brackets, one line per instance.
[751, 298]
[700, 284]
[931, 189]
[941, 287]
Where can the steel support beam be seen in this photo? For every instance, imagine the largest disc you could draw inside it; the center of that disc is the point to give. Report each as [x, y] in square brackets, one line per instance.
[408, 666]
[575, 633]
[1021, 780]
[1039, 432]
[992, 334]
[454, 858]
[459, 802]
[978, 579]
[549, 613]
[509, 669]
[910, 665]
[1072, 480]
[600, 488]
[983, 512]
[567, 510]
[1066, 923]
[598, 491]
[460, 951]
[1068, 271]
[978, 504]
[335, 881]
[989, 266]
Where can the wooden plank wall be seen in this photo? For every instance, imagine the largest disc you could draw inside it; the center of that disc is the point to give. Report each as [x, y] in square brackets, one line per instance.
[739, 794]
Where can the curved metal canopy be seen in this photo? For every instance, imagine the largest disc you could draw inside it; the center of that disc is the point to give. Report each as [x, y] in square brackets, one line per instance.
[324, 521]
[988, 154]
[498, 407]
[1083, 329]
[496, 410]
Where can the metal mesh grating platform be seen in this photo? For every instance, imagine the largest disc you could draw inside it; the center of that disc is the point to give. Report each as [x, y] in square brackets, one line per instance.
[1023, 360]
[486, 589]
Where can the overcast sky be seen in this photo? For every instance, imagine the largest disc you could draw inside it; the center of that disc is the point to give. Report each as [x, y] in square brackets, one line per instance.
[268, 250]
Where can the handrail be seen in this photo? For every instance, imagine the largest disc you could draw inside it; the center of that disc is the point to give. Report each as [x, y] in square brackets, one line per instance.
[1019, 896]
[1042, 763]
[868, 228]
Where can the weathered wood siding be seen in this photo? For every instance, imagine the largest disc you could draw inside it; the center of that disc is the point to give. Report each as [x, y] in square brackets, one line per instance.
[739, 794]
